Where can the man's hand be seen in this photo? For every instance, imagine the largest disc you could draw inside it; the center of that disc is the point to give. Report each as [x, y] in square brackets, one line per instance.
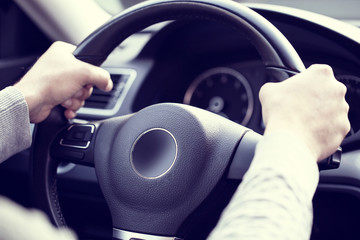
[311, 106]
[59, 78]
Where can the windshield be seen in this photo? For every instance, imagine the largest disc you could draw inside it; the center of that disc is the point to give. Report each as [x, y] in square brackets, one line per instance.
[345, 10]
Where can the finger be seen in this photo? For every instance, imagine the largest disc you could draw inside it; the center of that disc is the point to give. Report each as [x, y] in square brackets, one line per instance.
[88, 89]
[69, 114]
[98, 77]
[83, 93]
[73, 104]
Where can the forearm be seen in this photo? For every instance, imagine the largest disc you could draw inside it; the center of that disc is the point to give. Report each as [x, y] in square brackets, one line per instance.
[15, 133]
[274, 201]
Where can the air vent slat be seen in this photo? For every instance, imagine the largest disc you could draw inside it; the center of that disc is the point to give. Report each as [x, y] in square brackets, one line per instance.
[97, 91]
[99, 98]
[95, 105]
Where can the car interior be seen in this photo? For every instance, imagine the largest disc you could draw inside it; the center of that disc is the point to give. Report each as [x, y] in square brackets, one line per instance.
[187, 61]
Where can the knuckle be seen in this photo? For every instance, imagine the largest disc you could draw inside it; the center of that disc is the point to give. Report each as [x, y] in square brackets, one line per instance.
[265, 90]
[340, 85]
[86, 94]
[323, 69]
[56, 43]
[344, 125]
[79, 104]
[74, 104]
[338, 90]
[347, 107]
[89, 92]
[85, 72]
[62, 46]
[346, 128]
[343, 88]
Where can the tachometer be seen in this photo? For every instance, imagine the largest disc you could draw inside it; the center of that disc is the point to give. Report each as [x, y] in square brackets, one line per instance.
[223, 91]
[352, 84]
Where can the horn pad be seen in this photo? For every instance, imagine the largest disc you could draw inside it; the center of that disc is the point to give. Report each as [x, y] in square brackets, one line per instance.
[161, 163]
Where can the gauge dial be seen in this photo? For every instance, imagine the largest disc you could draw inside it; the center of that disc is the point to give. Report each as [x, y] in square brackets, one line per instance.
[223, 91]
[352, 84]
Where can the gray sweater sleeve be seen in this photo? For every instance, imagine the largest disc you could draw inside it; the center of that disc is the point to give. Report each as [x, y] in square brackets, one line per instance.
[15, 133]
[274, 201]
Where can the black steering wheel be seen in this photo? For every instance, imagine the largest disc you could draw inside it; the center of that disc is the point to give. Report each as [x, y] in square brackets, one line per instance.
[158, 167]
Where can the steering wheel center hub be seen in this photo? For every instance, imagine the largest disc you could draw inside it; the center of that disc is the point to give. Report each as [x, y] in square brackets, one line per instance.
[154, 153]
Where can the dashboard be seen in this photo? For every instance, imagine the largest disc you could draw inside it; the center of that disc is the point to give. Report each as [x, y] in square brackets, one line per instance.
[177, 65]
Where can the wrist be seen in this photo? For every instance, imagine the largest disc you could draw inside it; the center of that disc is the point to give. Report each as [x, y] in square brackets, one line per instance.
[29, 97]
[294, 132]
[34, 103]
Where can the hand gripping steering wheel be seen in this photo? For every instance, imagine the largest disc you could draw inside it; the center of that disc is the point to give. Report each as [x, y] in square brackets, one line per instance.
[159, 166]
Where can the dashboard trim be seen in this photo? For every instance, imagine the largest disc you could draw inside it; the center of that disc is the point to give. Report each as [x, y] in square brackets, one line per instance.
[332, 24]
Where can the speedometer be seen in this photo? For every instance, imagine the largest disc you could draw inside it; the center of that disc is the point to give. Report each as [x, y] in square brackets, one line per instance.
[352, 84]
[223, 91]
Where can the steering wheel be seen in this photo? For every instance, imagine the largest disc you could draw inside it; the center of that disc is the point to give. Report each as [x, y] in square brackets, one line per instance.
[159, 166]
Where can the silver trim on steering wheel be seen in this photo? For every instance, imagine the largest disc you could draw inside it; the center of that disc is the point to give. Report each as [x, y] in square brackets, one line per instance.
[125, 235]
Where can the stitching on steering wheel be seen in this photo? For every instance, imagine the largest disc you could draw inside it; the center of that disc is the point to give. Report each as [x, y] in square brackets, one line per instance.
[55, 200]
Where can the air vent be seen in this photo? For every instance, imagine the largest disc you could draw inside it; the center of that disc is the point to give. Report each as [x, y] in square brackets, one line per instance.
[105, 104]
[107, 100]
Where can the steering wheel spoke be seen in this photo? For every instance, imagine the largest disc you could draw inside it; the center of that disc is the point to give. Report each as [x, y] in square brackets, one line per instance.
[281, 73]
[243, 155]
[75, 144]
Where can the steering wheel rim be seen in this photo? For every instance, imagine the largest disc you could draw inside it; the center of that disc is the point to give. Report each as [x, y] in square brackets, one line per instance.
[279, 57]
[274, 49]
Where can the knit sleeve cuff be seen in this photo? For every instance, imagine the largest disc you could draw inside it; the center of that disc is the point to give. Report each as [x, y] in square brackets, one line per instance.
[15, 134]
